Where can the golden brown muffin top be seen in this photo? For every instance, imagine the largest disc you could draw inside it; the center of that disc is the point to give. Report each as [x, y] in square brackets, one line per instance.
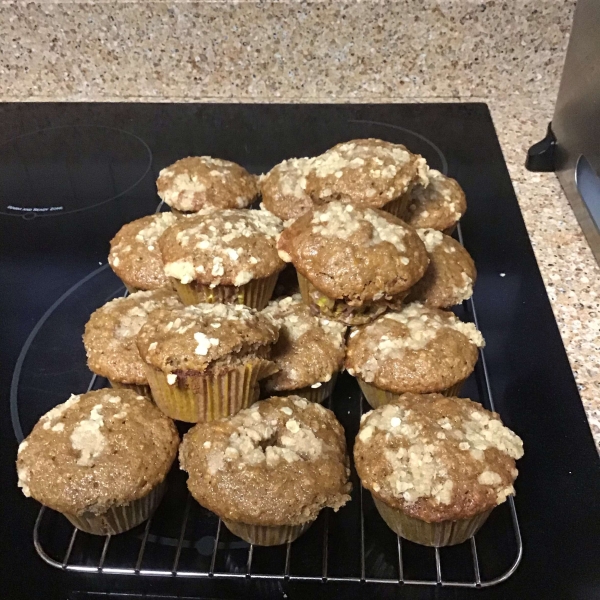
[134, 255]
[283, 189]
[194, 337]
[109, 336]
[439, 206]
[414, 349]
[451, 273]
[97, 450]
[358, 255]
[437, 458]
[309, 350]
[365, 172]
[228, 247]
[202, 182]
[278, 462]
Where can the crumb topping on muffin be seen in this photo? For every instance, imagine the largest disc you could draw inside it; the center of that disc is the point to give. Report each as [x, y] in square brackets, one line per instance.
[229, 247]
[283, 188]
[451, 273]
[415, 348]
[439, 205]
[309, 350]
[278, 462]
[109, 336]
[96, 450]
[193, 337]
[355, 254]
[203, 182]
[437, 458]
[134, 255]
[365, 172]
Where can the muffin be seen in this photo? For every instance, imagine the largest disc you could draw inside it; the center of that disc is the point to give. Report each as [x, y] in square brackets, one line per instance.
[439, 205]
[309, 352]
[416, 349]
[367, 173]
[228, 256]
[270, 470]
[134, 255]
[353, 262]
[204, 362]
[109, 337]
[436, 466]
[283, 189]
[451, 273]
[202, 182]
[100, 459]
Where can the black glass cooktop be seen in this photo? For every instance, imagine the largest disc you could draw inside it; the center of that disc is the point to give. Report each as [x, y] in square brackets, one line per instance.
[72, 175]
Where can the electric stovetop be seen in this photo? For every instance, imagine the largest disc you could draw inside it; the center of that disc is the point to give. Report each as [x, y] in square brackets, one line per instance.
[72, 175]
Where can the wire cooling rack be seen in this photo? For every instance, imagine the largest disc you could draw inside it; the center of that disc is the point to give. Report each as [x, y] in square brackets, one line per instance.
[353, 545]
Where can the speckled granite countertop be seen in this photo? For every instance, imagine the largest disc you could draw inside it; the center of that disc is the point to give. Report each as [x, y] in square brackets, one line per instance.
[506, 54]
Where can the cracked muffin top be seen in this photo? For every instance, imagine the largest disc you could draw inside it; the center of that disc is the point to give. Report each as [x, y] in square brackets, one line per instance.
[437, 458]
[278, 462]
[202, 182]
[358, 255]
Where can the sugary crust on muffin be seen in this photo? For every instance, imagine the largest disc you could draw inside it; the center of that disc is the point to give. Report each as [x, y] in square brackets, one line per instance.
[228, 247]
[358, 255]
[365, 172]
[451, 274]
[134, 255]
[97, 450]
[283, 188]
[277, 463]
[309, 350]
[194, 338]
[415, 349]
[202, 182]
[437, 458]
[439, 206]
[109, 337]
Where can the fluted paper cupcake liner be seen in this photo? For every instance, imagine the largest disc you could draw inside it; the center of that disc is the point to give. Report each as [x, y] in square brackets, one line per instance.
[450, 230]
[338, 310]
[398, 206]
[255, 293]
[143, 390]
[444, 533]
[198, 397]
[318, 394]
[266, 535]
[377, 397]
[120, 518]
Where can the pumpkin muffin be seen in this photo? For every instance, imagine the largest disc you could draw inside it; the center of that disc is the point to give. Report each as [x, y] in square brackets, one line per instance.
[415, 349]
[202, 182]
[270, 470]
[353, 262]
[227, 256]
[283, 189]
[134, 255]
[100, 459]
[436, 466]
[109, 337]
[204, 362]
[309, 352]
[367, 173]
[439, 205]
[451, 273]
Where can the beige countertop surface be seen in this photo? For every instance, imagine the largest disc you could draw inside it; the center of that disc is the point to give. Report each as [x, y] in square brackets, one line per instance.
[509, 55]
